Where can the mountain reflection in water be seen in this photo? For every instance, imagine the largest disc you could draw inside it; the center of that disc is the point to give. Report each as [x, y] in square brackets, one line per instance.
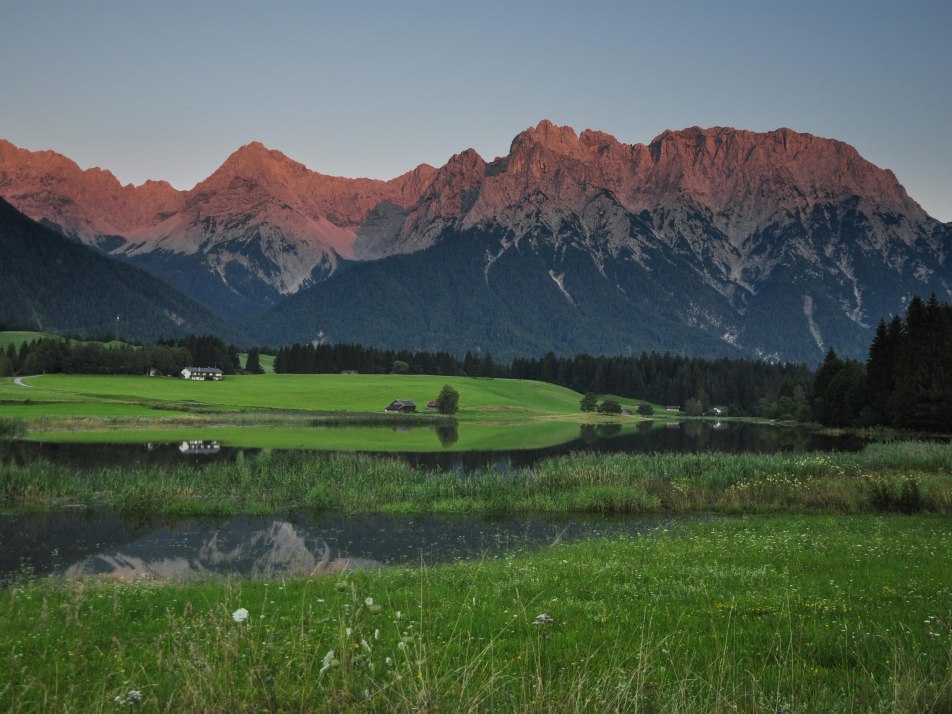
[103, 544]
[238, 548]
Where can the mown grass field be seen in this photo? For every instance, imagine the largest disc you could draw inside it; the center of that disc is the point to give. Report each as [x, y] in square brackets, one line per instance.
[755, 614]
[319, 393]
[280, 411]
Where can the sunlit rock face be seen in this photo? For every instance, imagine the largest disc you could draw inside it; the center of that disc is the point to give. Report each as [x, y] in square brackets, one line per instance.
[776, 244]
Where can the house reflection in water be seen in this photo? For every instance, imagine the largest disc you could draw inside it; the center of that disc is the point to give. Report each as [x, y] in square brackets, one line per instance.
[199, 447]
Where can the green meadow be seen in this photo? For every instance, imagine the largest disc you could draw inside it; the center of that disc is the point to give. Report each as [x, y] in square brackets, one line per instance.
[802, 582]
[18, 337]
[287, 411]
[479, 398]
[753, 614]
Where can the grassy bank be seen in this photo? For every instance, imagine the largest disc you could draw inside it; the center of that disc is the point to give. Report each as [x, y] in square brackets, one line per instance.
[757, 614]
[901, 477]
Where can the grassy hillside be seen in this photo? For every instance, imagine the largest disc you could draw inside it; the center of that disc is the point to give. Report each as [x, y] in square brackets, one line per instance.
[18, 337]
[318, 393]
[57, 285]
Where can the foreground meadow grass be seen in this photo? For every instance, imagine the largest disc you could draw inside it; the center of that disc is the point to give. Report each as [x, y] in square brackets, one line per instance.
[897, 477]
[754, 614]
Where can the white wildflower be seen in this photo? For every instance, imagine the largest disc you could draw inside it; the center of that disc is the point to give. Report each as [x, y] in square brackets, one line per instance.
[368, 601]
[327, 662]
[543, 620]
[239, 615]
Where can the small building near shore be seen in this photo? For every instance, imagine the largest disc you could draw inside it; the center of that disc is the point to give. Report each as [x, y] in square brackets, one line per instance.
[401, 406]
[432, 404]
[202, 374]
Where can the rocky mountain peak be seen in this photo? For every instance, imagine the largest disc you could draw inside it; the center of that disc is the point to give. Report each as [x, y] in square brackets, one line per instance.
[560, 140]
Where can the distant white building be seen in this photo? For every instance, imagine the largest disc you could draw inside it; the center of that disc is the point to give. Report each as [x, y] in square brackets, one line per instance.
[202, 374]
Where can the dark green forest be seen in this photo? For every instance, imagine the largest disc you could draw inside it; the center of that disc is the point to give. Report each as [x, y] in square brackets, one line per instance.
[53, 284]
[54, 355]
[906, 381]
[745, 387]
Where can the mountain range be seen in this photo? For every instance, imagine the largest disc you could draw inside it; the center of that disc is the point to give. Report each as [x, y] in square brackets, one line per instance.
[704, 241]
[50, 283]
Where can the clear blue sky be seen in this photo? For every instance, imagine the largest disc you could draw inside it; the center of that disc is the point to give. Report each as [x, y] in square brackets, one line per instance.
[168, 89]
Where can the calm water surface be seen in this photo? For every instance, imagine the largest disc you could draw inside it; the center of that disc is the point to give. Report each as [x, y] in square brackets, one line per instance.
[86, 543]
[685, 437]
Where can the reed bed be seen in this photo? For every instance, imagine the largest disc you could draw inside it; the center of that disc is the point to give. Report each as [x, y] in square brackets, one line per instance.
[903, 477]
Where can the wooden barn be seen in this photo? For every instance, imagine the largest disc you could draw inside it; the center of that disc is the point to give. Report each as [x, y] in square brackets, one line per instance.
[401, 406]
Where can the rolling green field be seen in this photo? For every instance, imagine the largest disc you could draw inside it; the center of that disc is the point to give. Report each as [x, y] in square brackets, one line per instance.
[318, 392]
[279, 411]
[18, 337]
[756, 614]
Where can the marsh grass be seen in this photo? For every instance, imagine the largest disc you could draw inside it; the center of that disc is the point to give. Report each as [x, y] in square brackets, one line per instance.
[902, 477]
[761, 614]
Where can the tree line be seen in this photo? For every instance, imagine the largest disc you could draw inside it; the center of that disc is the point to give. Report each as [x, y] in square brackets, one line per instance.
[54, 354]
[906, 381]
[744, 387]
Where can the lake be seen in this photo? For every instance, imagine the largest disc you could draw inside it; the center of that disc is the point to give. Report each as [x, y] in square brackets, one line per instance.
[674, 437]
[80, 542]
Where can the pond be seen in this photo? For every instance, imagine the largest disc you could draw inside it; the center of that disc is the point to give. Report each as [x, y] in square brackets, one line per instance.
[81, 542]
[673, 437]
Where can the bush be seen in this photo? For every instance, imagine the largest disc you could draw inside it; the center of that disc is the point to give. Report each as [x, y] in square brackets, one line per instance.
[12, 428]
[448, 400]
[609, 406]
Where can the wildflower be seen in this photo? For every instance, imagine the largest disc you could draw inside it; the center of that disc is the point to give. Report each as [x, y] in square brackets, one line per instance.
[543, 620]
[135, 696]
[327, 662]
[368, 601]
[239, 615]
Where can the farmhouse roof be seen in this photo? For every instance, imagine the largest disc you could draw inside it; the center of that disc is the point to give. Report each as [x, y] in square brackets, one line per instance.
[204, 370]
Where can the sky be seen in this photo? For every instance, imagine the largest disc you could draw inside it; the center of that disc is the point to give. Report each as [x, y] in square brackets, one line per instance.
[168, 90]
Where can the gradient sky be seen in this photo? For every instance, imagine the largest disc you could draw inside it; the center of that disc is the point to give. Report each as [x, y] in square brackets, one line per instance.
[168, 90]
